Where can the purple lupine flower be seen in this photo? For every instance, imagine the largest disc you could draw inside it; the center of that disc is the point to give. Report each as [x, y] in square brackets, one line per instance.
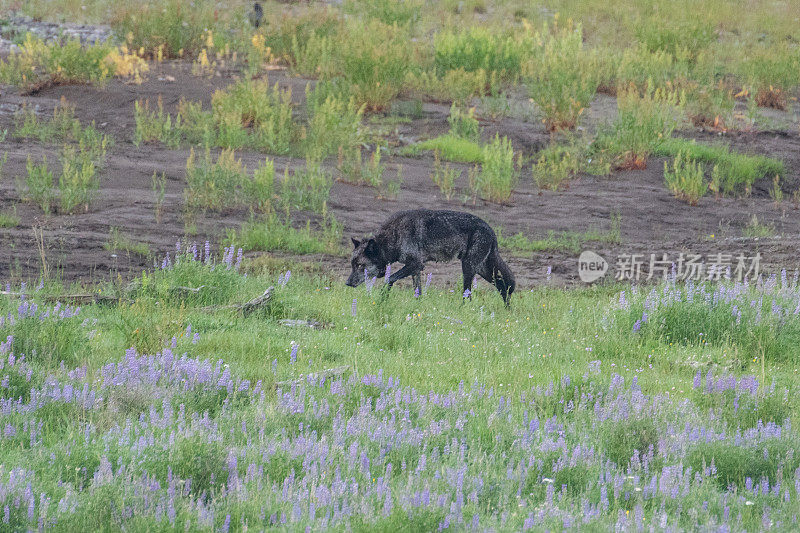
[467, 293]
[549, 272]
[293, 355]
[428, 282]
[353, 308]
[388, 274]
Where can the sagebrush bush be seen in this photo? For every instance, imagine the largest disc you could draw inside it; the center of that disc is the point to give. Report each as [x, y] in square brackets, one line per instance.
[444, 176]
[645, 120]
[561, 81]
[498, 174]
[557, 164]
[685, 178]
[166, 29]
[464, 125]
[334, 123]
[478, 49]
[78, 182]
[732, 172]
[306, 189]
[37, 63]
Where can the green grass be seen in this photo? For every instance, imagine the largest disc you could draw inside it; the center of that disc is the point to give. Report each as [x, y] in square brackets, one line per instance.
[38, 64]
[272, 233]
[117, 241]
[737, 172]
[450, 148]
[559, 351]
[757, 229]
[571, 242]
[9, 220]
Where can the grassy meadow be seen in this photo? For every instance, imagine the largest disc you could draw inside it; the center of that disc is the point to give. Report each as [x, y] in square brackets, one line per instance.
[158, 402]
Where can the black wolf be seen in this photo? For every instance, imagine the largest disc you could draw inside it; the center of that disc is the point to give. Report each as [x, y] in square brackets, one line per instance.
[256, 15]
[413, 237]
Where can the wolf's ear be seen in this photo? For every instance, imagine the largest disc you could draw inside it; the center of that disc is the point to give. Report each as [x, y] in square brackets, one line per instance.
[371, 249]
[356, 242]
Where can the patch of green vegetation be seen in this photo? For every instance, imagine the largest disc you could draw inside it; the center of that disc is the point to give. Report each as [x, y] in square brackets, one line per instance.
[168, 29]
[571, 242]
[117, 241]
[685, 178]
[225, 183]
[450, 148]
[273, 234]
[9, 220]
[758, 229]
[37, 63]
[733, 172]
[562, 83]
[499, 172]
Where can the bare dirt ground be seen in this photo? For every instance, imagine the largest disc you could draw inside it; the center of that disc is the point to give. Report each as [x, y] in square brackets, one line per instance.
[652, 221]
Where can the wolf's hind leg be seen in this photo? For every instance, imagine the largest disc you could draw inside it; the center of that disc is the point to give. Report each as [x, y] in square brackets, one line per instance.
[469, 274]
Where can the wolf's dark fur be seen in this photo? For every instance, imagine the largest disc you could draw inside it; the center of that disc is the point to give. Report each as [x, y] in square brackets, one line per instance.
[256, 15]
[414, 237]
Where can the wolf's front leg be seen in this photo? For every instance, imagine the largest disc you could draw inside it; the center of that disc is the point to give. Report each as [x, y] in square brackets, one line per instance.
[409, 269]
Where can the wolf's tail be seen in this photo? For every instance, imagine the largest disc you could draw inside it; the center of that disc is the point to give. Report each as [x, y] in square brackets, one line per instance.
[502, 276]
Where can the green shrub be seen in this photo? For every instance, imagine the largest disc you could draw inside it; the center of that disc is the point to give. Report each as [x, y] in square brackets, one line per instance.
[457, 86]
[771, 73]
[334, 124]
[400, 12]
[225, 184]
[646, 119]
[498, 174]
[557, 164]
[259, 190]
[685, 179]
[213, 185]
[39, 184]
[732, 172]
[78, 182]
[444, 176]
[478, 49]
[639, 67]
[252, 104]
[561, 81]
[166, 29]
[681, 41]
[273, 233]
[375, 68]
[37, 63]
[306, 189]
[464, 125]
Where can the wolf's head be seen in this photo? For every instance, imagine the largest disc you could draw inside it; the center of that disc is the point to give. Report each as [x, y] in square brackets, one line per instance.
[367, 261]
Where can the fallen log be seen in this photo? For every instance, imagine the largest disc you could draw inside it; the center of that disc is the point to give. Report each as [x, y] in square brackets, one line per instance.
[80, 298]
[246, 308]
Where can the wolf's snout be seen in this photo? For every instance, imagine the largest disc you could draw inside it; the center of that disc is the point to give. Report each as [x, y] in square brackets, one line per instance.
[352, 281]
